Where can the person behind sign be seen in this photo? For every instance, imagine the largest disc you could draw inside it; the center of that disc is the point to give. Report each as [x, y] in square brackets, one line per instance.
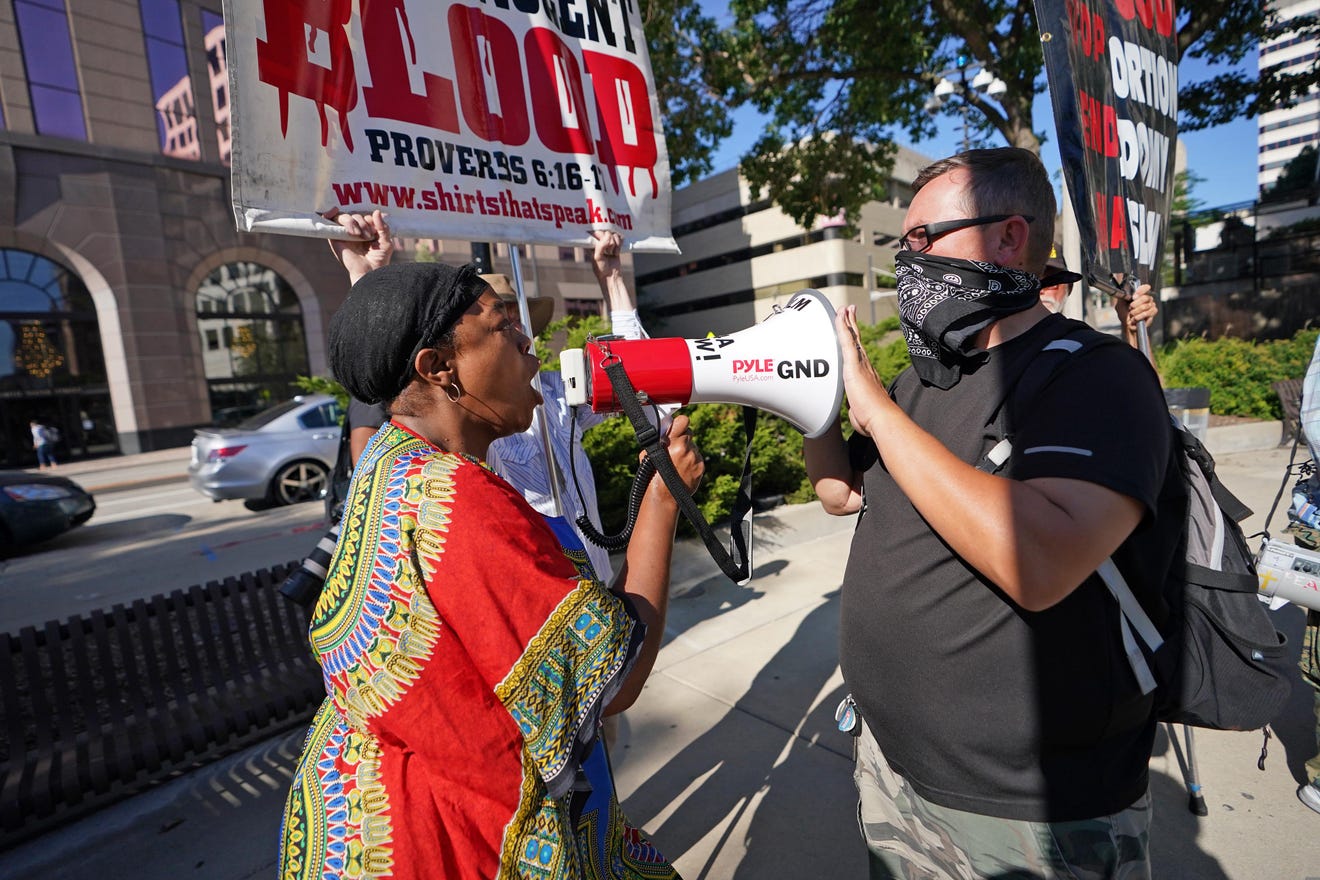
[996, 737]
[469, 652]
[1058, 283]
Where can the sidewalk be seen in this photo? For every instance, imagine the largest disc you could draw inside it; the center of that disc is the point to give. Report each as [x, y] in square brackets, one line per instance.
[730, 759]
[120, 472]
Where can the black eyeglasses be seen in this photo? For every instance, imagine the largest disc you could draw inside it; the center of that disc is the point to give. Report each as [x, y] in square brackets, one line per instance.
[920, 238]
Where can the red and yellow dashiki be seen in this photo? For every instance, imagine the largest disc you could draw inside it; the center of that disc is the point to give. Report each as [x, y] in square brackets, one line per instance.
[467, 655]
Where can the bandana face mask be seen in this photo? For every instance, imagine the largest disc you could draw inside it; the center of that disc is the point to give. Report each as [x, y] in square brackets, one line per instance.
[944, 302]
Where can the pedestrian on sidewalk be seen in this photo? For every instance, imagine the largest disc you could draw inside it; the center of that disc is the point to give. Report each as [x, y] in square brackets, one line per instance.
[998, 734]
[469, 652]
[44, 439]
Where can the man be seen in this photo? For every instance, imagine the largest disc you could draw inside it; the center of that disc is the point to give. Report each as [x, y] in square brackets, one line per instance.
[1000, 734]
[1058, 282]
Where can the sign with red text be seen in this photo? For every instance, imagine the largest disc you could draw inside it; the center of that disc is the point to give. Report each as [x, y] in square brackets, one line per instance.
[1113, 73]
[493, 120]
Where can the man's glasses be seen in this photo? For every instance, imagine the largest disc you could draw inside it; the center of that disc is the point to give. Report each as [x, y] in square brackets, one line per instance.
[920, 238]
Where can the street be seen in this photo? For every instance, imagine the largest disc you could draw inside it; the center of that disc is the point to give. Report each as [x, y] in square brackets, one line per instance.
[150, 540]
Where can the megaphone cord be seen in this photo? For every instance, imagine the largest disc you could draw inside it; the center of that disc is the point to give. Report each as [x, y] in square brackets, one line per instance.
[736, 564]
[618, 542]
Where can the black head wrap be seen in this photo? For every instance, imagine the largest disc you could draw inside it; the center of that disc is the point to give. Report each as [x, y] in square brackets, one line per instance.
[390, 315]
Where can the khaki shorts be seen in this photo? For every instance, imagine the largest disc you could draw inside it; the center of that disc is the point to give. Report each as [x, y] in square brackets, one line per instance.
[909, 837]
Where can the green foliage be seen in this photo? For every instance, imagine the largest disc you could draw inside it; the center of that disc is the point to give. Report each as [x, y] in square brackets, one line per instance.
[1237, 372]
[569, 332]
[322, 385]
[777, 464]
[838, 80]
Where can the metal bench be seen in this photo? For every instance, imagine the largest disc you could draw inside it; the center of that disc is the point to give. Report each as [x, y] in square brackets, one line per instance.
[1290, 396]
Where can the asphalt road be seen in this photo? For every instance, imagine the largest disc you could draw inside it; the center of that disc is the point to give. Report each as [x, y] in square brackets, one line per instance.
[144, 541]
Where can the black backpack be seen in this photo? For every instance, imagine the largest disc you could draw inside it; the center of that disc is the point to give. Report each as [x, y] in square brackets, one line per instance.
[1215, 660]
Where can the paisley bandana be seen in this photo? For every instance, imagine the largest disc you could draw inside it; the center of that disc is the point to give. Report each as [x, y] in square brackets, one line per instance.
[944, 302]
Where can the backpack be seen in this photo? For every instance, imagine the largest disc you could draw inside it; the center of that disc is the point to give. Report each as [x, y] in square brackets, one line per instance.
[52, 434]
[1216, 660]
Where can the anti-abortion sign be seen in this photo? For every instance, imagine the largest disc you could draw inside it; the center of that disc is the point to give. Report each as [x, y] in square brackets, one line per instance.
[505, 120]
[1113, 73]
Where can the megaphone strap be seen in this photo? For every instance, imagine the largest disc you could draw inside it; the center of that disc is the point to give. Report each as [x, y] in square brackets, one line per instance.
[736, 564]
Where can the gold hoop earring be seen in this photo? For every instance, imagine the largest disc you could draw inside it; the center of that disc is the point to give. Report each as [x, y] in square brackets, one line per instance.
[454, 391]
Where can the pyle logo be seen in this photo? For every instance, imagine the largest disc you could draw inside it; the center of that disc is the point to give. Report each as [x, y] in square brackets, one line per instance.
[764, 365]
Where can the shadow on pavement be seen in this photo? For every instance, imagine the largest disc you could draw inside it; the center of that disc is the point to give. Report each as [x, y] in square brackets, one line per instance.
[768, 788]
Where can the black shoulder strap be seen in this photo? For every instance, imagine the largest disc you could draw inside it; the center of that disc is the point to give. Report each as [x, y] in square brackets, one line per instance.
[1074, 338]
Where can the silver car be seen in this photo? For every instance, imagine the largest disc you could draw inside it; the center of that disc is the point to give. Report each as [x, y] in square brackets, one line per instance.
[282, 455]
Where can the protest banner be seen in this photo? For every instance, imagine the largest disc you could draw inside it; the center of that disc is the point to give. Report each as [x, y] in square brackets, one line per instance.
[506, 120]
[1113, 75]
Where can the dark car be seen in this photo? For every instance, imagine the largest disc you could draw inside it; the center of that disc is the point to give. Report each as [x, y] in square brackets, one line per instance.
[37, 507]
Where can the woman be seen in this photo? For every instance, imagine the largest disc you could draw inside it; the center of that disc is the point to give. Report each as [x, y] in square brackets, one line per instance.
[468, 650]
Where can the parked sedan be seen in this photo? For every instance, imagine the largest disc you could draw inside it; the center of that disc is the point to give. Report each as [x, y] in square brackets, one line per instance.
[37, 507]
[280, 456]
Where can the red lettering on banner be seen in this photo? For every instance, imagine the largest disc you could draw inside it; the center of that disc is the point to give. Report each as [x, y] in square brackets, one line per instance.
[623, 106]
[389, 95]
[1088, 29]
[485, 54]
[1164, 15]
[1157, 15]
[558, 105]
[293, 32]
[1111, 131]
[1117, 224]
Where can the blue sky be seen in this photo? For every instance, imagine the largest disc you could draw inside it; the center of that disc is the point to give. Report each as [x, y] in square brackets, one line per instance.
[1225, 156]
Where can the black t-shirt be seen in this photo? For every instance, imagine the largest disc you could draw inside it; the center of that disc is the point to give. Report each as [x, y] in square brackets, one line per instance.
[979, 704]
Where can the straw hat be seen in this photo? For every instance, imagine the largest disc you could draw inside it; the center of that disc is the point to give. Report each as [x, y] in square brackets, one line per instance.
[541, 308]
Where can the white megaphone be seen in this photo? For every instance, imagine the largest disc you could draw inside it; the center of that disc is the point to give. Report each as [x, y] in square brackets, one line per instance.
[789, 365]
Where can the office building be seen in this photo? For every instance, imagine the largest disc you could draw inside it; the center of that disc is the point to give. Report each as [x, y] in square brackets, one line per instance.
[131, 308]
[1285, 131]
[742, 256]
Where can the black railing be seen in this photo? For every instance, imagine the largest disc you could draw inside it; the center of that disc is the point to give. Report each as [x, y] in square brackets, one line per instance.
[104, 705]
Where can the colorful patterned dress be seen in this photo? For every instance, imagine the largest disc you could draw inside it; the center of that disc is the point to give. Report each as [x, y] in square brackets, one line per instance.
[467, 651]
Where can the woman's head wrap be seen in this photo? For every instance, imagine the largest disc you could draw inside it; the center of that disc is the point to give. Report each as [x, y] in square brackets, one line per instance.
[390, 315]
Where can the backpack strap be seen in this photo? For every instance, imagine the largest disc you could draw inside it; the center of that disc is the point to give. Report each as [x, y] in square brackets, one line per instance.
[1076, 338]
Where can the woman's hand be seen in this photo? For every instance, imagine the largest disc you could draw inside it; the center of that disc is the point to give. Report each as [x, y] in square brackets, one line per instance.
[373, 248]
[685, 455]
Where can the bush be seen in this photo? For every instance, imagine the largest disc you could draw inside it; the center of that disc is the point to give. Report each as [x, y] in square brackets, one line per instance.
[1237, 372]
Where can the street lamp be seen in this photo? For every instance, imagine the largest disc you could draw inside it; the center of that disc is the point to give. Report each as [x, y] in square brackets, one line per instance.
[956, 81]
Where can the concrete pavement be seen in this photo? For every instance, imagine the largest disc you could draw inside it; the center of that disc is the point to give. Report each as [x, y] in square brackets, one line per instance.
[730, 759]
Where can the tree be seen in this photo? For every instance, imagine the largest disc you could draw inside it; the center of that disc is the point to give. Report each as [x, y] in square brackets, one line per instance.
[837, 78]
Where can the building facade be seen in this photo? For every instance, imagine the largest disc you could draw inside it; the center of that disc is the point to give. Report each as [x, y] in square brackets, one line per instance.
[1285, 131]
[741, 257]
[131, 308]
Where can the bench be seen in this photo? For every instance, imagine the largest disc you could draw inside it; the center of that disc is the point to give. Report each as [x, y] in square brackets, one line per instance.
[104, 705]
[1290, 396]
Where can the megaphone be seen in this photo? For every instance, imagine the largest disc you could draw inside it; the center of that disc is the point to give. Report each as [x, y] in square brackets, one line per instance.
[789, 365]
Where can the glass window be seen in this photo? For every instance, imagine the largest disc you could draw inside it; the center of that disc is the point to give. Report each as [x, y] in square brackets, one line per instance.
[217, 66]
[255, 316]
[167, 64]
[43, 31]
[51, 365]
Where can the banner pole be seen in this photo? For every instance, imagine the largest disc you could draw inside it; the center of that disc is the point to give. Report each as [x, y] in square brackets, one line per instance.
[553, 474]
